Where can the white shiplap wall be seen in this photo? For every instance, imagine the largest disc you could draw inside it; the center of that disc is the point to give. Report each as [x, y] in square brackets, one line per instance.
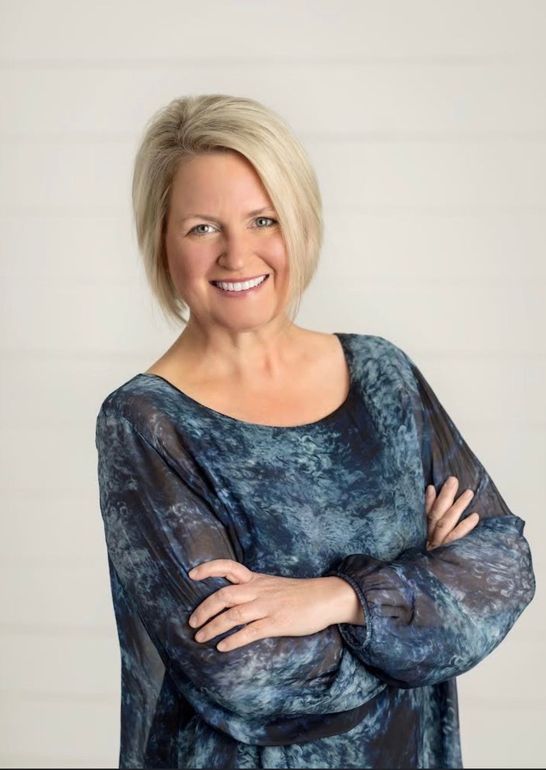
[426, 122]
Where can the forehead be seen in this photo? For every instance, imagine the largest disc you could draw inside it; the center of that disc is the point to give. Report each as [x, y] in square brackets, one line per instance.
[212, 182]
[216, 169]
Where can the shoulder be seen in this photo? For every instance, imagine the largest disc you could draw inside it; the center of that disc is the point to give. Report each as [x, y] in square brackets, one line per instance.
[386, 374]
[385, 380]
[378, 357]
[143, 416]
[145, 406]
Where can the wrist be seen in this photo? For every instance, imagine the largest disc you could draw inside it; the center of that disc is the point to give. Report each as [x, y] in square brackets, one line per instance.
[344, 601]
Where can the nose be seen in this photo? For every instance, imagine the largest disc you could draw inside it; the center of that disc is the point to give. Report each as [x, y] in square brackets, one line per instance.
[237, 247]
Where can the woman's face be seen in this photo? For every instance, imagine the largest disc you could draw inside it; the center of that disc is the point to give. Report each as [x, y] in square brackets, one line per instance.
[214, 233]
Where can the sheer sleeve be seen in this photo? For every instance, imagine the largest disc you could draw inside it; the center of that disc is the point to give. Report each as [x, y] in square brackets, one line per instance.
[432, 615]
[157, 527]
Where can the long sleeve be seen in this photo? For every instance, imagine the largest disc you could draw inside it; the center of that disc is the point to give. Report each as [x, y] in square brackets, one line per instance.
[433, 615]
[158, 525]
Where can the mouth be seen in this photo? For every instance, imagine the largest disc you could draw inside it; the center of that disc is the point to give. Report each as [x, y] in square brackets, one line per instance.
[240, 288]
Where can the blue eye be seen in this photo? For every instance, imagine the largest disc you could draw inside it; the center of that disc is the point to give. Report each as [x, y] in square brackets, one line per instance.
[196, 226]
[267, 219]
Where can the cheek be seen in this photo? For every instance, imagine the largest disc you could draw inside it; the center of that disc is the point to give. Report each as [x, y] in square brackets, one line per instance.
[276, 254]
[186, 263]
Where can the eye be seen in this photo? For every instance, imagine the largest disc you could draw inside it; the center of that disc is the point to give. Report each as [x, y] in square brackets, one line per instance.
[268, 219]
[195, 228]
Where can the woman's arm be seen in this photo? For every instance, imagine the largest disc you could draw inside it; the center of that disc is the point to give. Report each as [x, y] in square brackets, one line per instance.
[432, 615]
[157, 528]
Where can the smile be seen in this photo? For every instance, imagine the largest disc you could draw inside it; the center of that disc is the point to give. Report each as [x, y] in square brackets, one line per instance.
[240, 287]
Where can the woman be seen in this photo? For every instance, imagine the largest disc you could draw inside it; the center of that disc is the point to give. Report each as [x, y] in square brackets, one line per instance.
[290, 493]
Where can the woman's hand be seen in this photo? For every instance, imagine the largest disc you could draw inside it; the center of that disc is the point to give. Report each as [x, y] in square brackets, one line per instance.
[443, 513]
[270, 605]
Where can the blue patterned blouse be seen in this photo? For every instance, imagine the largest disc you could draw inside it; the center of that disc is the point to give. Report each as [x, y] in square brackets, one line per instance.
[181, 484]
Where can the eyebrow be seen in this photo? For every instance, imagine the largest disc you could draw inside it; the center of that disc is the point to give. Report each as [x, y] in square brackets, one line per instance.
[214, 219]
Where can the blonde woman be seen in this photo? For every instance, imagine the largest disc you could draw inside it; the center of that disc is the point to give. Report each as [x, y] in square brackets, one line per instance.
[300, 499]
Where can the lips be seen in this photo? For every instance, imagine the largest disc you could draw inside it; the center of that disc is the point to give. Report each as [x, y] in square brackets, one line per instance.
[242, 289]
[238, 280]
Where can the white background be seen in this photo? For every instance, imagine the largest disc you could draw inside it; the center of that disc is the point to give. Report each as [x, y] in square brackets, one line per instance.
[426, 123]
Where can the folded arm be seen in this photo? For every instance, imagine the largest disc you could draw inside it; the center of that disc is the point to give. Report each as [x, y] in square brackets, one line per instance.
[432, 615]
[157, 527]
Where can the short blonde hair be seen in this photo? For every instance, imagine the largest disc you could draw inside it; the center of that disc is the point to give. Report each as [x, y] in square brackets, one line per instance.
[193, 125]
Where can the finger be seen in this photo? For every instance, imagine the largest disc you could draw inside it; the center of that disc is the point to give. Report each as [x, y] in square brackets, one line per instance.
[260, 629]
[448, 521]
[463, 528]
[430, 496]
[434, 509]
[446, 510]
[232, 570]
[216, 602]
[236, 616]
[444, 500]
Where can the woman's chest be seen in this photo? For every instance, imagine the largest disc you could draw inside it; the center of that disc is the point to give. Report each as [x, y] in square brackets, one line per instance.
[298, 501]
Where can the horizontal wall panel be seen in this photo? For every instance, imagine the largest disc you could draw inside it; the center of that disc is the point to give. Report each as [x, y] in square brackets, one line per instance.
[63, 461]
[432, 248]
[465, 319]
[72, 527]
[85, 320]
[78, 177]
[419, 247]
[382, 99]
[75, 734]
[502, 736]
[507, 675]
[488, 390]
[23, 759]
[69, 668]
[57, 599]
[426, 125]
[431, 174]
[239, 29]
[72, 603]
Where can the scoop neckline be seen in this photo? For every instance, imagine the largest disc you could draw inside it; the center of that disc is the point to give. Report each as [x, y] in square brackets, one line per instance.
[261, 426]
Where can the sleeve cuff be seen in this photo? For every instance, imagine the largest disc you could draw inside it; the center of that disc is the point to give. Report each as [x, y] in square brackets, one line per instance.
[354, 635]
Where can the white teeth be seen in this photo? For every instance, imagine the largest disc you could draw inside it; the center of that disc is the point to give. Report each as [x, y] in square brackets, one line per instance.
[242, 286]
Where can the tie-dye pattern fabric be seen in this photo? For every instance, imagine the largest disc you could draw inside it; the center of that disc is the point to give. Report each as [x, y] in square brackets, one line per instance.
[181, 484]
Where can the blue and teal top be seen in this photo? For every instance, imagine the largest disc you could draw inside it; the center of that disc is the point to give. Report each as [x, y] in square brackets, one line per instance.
[181, 484]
